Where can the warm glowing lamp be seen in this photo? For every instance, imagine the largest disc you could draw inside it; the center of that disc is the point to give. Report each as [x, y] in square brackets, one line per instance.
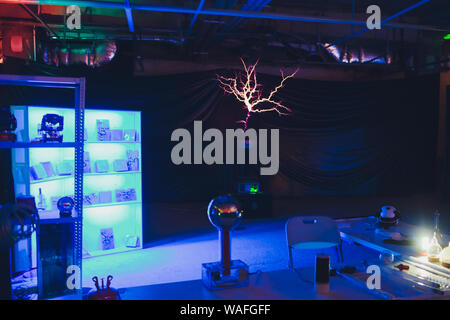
[424, 246]
[434, 250]
[445, 256]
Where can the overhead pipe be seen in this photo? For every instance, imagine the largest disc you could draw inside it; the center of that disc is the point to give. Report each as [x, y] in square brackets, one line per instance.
[255, 6]
[221, 12]
[42, 22]
[129, 14]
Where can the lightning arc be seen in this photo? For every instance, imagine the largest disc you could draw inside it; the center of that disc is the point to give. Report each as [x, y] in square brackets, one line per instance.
[247, 90]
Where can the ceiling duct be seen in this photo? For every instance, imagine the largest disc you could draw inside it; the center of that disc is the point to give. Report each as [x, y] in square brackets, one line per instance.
[356, 54]
[92, 54]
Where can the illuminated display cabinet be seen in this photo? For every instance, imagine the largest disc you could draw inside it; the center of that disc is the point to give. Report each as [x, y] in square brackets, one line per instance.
[112, 186]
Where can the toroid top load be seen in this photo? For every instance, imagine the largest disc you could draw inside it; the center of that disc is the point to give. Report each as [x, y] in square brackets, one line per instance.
[225, 212]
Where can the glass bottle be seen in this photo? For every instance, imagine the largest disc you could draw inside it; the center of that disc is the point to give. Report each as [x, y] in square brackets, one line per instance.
[437, 232]
[434, 251]
[41, 203]
[445, 257]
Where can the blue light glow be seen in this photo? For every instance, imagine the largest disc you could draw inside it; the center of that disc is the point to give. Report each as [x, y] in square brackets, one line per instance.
[125, 218]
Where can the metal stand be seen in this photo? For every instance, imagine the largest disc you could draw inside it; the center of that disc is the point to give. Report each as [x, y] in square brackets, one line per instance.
[226, 273]
[78, 85]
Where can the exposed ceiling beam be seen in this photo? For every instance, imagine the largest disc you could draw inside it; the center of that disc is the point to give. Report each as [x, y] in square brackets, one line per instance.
[42, 22]
[129, 14]
[251, 5]
[191, 25]
[222, 12]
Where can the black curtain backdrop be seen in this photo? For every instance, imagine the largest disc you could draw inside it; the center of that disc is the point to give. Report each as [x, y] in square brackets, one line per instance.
[342, 138]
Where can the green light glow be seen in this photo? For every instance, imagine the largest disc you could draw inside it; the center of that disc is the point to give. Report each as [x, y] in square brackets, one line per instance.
[447, 37]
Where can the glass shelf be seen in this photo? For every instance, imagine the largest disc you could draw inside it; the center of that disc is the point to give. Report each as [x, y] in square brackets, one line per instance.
[109, 204]
[58, 220]
[118, 141]
[54, 178]
[94, 174]
[10, 145]
[97, 253]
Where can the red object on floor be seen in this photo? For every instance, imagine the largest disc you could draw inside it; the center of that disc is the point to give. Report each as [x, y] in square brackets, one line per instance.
[103, 293]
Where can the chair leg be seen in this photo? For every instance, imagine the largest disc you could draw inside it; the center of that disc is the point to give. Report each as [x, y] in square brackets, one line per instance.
[291, 263]
[341, 253]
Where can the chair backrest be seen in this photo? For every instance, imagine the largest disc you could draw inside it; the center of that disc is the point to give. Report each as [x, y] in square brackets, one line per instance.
[310, 228]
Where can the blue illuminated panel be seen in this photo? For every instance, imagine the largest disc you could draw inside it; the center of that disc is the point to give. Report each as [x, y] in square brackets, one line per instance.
[112, 206]
[121, 214]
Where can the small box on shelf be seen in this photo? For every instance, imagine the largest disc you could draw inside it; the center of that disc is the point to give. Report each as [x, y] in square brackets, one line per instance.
[65, 168]
[87, 163]
[101, 166]
[117, 135]
[104, 197]
[120, 165]
[126, 195]
[37, 172]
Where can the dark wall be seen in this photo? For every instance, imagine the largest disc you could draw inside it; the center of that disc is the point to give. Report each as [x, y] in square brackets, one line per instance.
[342, 138]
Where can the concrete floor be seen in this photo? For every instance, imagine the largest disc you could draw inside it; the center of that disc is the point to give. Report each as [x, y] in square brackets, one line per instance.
[260, 244]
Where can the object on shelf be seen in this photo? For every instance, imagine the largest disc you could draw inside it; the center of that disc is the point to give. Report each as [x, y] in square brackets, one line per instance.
[133, 160]
[48, 167]
[104, 197]
[117, 135]
[8, 124]
[131, 241]
[434, 251]
[107, 239]
[130, 135]
[41, 203]
[445, 256]
[90, 199]
[126, 195]
[65, 168]
[51, 128]
[86, 163]
[37, 172]
[54, 202]
[120, 165]
[103, 131]
[101, 166]
[65, 206]
[103, 293]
